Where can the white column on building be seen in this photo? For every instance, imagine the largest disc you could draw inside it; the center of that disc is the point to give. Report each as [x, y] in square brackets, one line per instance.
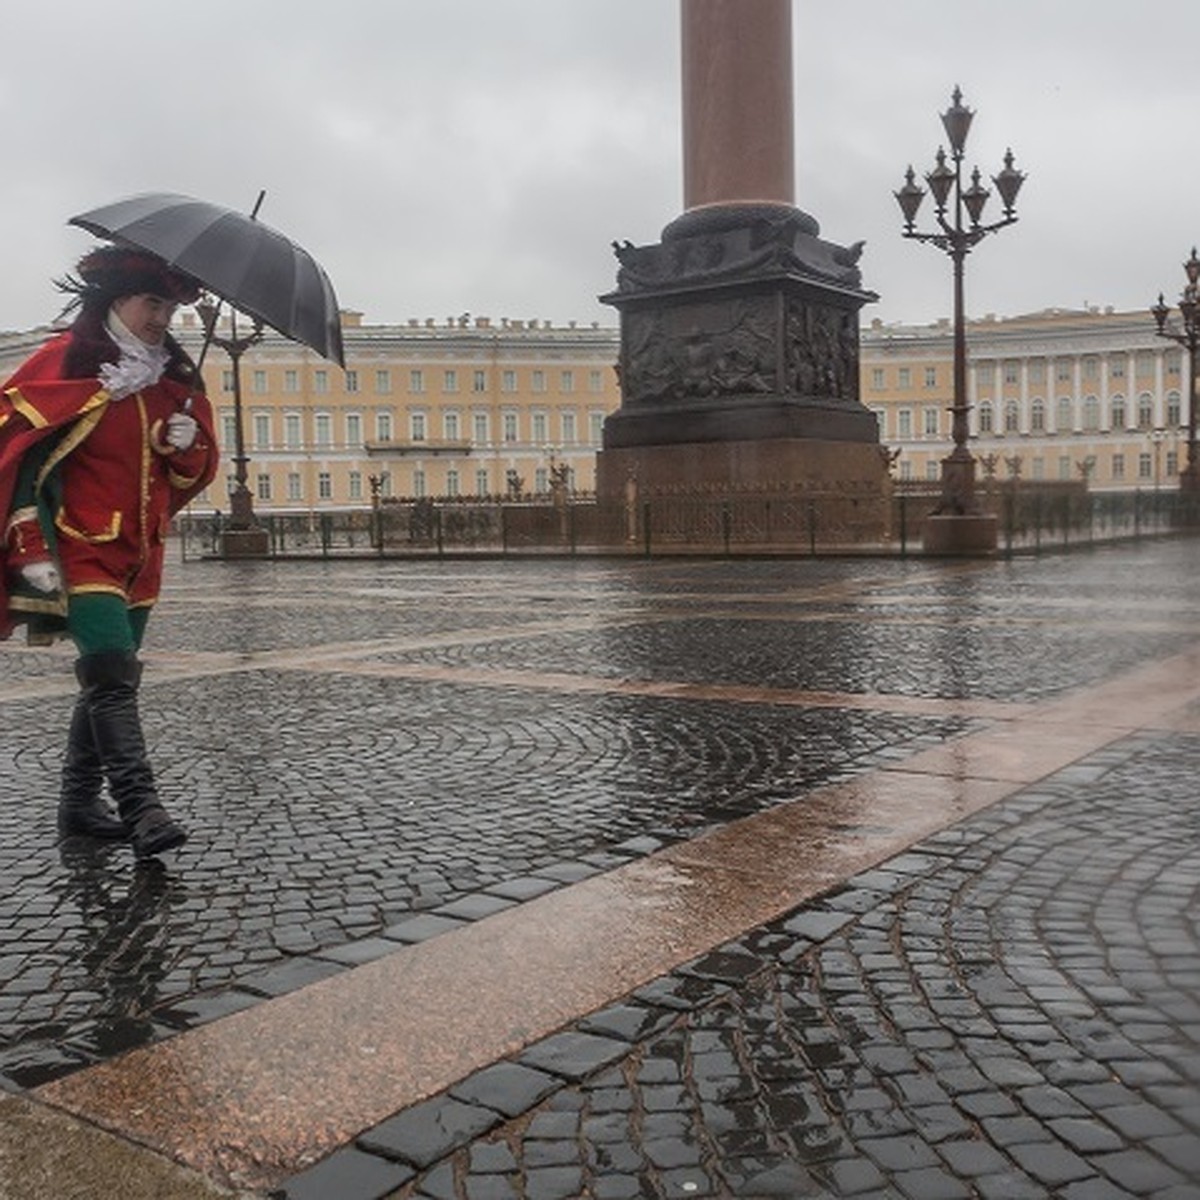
[1026, 419]
[1160, 395]
[973, 399]
[1077, 388]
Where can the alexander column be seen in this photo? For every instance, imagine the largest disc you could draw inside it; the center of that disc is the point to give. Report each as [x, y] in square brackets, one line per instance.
[739, 329]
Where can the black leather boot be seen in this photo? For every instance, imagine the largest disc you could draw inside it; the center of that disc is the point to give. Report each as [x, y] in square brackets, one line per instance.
[81, 811]
[111, 682]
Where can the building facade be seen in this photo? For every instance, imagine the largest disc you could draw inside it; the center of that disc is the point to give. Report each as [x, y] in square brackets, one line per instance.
[466, 407]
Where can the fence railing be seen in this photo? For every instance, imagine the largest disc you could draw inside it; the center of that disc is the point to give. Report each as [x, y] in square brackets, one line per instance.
[1029, 518]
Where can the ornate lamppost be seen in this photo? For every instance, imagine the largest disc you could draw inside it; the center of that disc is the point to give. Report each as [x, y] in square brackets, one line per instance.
[1188, 336]
[242, 536]
[954, 203]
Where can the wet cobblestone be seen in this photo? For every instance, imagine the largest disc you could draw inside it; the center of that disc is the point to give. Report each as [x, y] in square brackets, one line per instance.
[975, 1018]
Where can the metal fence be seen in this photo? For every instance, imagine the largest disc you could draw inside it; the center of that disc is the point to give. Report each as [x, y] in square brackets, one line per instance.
[1029, 518]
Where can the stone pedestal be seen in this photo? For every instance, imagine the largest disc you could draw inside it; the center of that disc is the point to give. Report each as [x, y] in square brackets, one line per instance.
[245, 543]
[739, 359]
[951, 534]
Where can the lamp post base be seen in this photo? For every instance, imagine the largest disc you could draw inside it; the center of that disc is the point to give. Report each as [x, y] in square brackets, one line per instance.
[954, 534]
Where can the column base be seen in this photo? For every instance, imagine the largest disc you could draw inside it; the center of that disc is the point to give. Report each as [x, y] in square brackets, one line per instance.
[245, 543]
[954, 534]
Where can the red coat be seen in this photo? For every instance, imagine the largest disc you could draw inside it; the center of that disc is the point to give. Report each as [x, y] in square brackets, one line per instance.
[110, 485]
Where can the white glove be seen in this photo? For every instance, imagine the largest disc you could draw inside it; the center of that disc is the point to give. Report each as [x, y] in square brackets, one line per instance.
[129, 375]
[181, 430]
[42, 575]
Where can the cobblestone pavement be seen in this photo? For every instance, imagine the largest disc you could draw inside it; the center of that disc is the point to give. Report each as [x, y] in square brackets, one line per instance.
[1010, 1009]
[369, 754]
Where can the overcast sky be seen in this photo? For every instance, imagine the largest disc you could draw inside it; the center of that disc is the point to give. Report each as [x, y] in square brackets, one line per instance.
[450, 156]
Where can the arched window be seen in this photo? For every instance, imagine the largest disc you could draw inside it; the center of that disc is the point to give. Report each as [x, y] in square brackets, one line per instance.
[1174, 410]
[1037, 415]
[1012, 417]
[1064, 417]
[1091, 414]
[1145, 411]
[1117, 422]
[985, 417]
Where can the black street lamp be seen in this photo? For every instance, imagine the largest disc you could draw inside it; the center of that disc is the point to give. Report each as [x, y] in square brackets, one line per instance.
[1188, 336]
[241, 504]
[951, 198]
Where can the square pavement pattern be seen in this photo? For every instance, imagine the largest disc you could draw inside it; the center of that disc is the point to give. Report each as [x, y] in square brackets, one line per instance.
[624, 879]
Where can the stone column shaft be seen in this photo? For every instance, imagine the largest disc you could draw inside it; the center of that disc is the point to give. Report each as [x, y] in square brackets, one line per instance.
[738, 130]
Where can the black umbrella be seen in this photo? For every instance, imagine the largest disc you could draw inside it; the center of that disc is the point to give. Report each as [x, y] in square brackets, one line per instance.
[250, 265]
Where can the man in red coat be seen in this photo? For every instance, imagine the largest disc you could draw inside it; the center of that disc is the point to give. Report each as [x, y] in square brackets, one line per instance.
[105, 434]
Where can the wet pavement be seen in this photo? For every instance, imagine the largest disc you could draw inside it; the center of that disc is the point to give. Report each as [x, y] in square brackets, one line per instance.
[625, 879]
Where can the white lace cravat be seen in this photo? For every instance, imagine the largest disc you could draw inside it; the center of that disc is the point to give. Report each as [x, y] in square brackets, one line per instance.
[140, 365]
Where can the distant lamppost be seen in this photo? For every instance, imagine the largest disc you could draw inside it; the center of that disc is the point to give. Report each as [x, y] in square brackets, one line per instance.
[957, 240]
[241, 504]
[1157, 437]
[1188, 336]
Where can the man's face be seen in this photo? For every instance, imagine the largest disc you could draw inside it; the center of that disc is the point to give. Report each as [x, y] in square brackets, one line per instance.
[145, 315]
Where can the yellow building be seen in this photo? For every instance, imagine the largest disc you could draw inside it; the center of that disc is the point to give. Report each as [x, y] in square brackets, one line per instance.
[461, 407]
[1054, 395]
[467, 406]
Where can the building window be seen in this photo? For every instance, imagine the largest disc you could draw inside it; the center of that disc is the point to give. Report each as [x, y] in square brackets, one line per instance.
[985, 417]
[295, 486]
[985, 373]
[1091, 368]
[264, 487]
[1118, 412]
[930, 418]
[568, 427]
[1062, 370]
[291, 381]
[452, 484]
[416, 380]
[383, 382]
[540, 436]
[1012, 417]
[931, 470]
[905, 377]
[595, 381]
[1039, 468]
[292, 438]
[479, 381]
[508, 381]
[1145, 465]
[541, 481]
[566, 381]
[481, 482]
[1037, 415]
[1118, 466]
[1116, 369]
[416, 424]
[259, 381]
[931, 377]
[227, 380]
[352, 381]
[537, 381]
[323, 430]
[320, 382]
[595, 428]
[1064, 466]
[1145, 411]
[877, 378]
[418, 482]
[1145, 365]
[1174, 409]
[383, 426]
[1173, 360]
[510, 426]
[880, 421]
[450, 381]
[324, 485]
[228, 428]
[481, 435]
[905, 469]
[1091, 414]
[450, 426]
[1172, 462]
[262, 431]
[1037, 371]
[1011, 372]
[1064, 421]
[385, 483]
[354, 430]
[904, 423]
[355, 485]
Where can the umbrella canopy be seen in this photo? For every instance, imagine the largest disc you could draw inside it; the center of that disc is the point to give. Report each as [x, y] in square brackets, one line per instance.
[250, 265]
